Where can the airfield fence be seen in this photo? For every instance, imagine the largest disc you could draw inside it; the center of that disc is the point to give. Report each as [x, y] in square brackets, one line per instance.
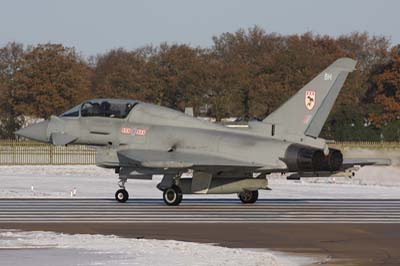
[375, 145]
[13, 152]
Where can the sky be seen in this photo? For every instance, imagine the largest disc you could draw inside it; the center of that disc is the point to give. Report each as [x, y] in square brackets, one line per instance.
[96, 26]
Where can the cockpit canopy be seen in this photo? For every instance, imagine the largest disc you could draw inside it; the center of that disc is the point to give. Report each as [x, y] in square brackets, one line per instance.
[111, 108]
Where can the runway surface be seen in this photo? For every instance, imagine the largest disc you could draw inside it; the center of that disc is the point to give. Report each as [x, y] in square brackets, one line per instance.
[344, 232]
[199, 211]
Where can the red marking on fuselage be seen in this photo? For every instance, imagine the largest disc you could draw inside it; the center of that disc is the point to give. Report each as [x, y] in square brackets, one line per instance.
[140, 132]
[126, 130]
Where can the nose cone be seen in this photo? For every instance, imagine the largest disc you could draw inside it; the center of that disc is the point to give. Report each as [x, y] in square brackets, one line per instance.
[36, 131]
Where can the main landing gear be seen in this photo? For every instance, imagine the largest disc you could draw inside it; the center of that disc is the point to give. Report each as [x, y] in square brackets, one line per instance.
[122, 195]
[172, 196]
[248, 197]
[172, 193]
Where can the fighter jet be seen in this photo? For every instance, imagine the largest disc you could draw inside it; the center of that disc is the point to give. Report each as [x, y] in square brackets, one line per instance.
[140, 140]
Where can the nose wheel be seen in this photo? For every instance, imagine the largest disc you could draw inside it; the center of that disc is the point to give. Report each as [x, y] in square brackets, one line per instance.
[121, 195]
[172, 196]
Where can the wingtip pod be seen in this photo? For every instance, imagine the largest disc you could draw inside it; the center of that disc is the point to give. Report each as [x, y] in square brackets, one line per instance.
[345, 64]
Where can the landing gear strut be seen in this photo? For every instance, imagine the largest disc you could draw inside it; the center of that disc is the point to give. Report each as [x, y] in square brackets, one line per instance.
[122, 195]
[172, 196]
[248, 197]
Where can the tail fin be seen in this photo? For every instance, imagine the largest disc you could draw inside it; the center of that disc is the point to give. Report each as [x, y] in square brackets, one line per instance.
[307, 111]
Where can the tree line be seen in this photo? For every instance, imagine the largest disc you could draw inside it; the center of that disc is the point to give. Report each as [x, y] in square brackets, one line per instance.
[245, 74]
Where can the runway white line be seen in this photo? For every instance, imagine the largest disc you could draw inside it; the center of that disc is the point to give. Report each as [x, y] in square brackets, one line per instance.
[198, 211]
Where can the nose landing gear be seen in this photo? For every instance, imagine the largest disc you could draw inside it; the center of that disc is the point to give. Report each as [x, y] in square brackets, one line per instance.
[122, 195]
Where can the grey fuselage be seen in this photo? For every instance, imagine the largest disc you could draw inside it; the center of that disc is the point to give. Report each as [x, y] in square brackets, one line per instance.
[167, 129]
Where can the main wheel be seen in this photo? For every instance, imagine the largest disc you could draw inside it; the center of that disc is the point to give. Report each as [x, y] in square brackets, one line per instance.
[248, 196]
[172, 196]
[121, 195]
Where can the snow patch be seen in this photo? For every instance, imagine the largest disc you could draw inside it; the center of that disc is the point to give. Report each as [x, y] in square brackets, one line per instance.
[126, 251]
